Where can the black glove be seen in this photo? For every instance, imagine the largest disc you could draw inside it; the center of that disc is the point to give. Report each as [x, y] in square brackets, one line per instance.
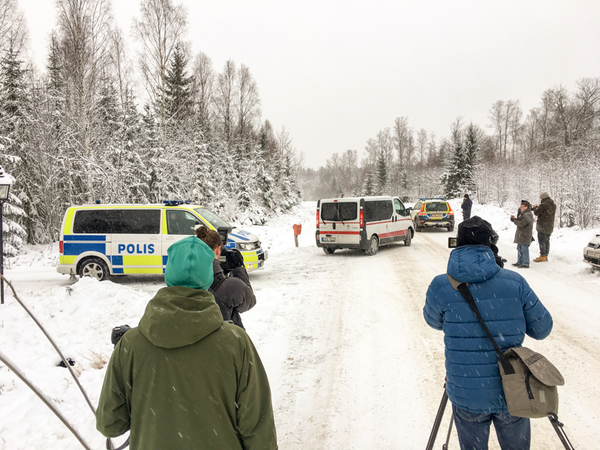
[234, 259]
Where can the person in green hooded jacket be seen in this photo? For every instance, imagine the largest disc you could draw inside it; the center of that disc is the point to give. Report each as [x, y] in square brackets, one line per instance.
[184, 379]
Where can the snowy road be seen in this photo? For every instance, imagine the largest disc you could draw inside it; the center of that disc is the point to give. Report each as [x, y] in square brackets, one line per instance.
[351, 362]
[358, 367]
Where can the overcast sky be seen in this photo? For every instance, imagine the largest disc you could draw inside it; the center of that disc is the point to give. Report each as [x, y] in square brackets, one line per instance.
[335, 72]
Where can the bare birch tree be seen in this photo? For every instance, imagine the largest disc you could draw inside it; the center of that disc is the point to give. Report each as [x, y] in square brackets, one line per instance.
[13, 29]
[84, 32]
[203, 89]
[159, 30]
[248, 104]
[225, 98]
[402, 133]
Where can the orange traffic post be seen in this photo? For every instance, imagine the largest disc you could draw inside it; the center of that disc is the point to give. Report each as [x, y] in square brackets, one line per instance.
[297, 231]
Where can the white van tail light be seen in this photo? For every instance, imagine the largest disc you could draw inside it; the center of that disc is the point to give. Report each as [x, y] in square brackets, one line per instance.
[362, 218]
[317, 218]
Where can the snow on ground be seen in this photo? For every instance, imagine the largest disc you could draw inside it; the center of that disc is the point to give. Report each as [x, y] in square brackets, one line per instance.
[351, 363]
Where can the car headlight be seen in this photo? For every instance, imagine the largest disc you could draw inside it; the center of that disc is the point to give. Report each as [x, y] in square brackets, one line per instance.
[247, 246]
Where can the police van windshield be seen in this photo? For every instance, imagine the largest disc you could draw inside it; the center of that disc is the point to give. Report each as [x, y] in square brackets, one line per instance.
[212, 218]
[339, 212]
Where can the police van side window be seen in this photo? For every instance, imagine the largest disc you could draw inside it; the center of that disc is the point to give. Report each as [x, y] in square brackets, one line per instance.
[181, 222]
[117, 221]
[378, 210]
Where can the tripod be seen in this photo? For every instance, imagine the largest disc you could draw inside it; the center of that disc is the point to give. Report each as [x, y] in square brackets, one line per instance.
[437, 422]
[558, 427]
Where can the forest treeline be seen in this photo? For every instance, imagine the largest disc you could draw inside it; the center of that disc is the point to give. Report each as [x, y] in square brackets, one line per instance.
[554, 148]
[80, 130]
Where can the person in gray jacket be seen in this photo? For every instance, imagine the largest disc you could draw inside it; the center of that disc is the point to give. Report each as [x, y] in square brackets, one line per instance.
[524, 233]
[232, 290]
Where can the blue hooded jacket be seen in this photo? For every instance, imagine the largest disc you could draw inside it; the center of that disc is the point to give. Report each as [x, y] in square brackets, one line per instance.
[509, 308]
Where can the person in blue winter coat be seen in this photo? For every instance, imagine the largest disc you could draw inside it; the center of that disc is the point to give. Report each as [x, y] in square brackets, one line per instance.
[510, 309]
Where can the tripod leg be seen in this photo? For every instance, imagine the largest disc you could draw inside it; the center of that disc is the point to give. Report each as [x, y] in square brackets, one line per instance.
[558, 427]
[438, 421]
[445, 446]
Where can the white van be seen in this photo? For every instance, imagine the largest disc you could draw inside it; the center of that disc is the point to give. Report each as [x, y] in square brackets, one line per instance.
[363, 223]
[101, 240]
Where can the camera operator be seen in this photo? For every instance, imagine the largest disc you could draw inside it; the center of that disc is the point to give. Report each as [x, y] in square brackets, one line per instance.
[231, 287]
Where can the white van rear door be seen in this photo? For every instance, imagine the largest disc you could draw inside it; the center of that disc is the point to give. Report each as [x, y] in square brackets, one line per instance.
[339, 222]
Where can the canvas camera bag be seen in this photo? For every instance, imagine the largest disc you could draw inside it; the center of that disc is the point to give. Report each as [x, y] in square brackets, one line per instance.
[529, 380]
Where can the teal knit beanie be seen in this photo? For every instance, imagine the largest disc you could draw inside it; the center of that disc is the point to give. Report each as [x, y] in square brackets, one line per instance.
[189, 264]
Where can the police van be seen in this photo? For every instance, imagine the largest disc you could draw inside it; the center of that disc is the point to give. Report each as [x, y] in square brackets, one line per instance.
[101, 240]
[364, 223]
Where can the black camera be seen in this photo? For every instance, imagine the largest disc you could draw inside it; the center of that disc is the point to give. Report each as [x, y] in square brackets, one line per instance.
[230, 259]
[452, 242]
[118, 332]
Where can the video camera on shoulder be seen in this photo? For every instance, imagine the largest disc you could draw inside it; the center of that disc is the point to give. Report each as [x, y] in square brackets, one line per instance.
[230, 259]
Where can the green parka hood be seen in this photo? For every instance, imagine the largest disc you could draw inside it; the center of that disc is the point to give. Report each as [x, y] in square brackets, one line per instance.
[179, 316]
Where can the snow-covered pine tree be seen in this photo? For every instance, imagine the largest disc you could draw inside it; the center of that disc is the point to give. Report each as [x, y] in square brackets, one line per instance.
[382, 174]
[369, 185]
[14, 105]
[453, 178]
[471, 158]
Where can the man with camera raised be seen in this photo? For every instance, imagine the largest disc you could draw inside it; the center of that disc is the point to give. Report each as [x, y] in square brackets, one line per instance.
[231, 286]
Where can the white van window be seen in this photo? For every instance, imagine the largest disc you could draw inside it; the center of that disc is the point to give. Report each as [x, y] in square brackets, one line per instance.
[181, 222]
[377, 210]
[117, 221]
[399, 207]
[339, 212]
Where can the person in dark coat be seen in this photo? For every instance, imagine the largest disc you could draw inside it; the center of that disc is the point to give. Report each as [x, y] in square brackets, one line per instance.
[466, 206]
[233, 292]
[524, 233]
[184, 379]
[510, 309]
[545, 213]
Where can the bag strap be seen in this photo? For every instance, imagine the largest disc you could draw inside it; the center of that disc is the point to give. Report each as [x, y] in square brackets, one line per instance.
[212, 289]
[466, 293]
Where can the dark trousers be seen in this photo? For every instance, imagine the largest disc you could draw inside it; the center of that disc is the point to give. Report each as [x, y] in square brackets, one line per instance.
[544, 242]
[514, 433]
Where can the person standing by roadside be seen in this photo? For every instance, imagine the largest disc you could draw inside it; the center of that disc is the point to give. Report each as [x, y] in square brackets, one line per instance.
[524, 233]
[545, 213]
[233, 292]
[466, 206]
[511, 309]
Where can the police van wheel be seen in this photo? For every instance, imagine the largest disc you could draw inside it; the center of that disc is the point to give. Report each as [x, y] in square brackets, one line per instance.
[328, 250]
[373, 246]
[94, 268]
